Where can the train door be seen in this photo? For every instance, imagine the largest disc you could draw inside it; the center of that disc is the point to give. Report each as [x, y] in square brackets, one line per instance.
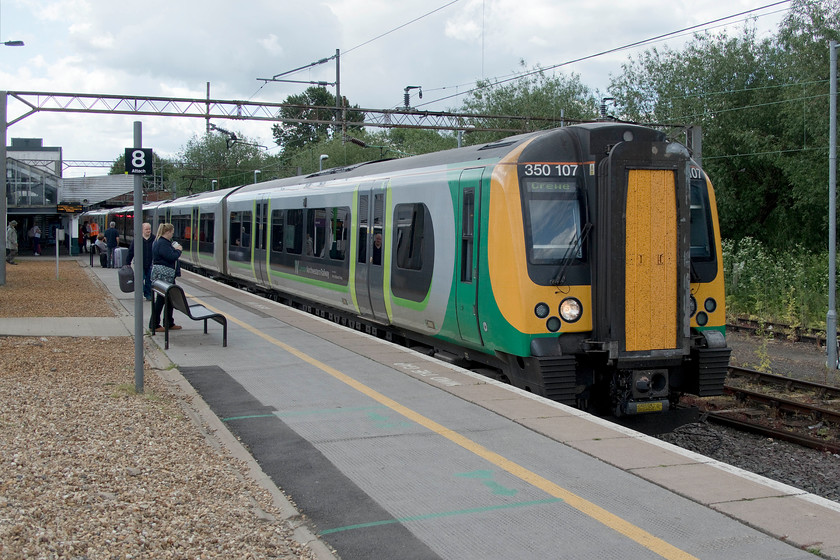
[372, 256]
[642, 291]
[260, 249]
[467, 285]
[194, 234]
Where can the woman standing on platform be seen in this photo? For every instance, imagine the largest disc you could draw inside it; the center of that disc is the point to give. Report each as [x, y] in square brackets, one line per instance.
[165, 255]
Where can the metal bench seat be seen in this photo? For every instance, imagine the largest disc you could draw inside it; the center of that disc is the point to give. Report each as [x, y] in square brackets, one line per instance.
[177, 299]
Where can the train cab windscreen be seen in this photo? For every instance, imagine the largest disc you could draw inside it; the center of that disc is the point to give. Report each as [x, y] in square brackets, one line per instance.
[703, 258]
[552, 220]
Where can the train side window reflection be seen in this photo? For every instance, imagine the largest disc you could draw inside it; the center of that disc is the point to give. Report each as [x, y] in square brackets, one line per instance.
[293, 232]
[277, 219]
[410, 221]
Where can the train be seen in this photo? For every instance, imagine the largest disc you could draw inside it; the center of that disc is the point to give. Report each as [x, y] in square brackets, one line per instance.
[581, 263]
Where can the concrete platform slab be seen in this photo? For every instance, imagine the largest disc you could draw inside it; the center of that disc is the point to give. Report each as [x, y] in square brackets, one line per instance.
[792, 519]
[707, 484]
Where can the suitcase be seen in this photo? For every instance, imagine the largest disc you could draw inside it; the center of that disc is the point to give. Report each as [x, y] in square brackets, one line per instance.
[103, 260]
[120, 256]
[126, 276]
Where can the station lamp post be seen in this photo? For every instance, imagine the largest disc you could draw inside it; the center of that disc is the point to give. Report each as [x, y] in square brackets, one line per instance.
[831, 316]
[321, 161]
[256, 172]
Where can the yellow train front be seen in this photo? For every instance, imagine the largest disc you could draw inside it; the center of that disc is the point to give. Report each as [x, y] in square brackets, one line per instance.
[603, 250]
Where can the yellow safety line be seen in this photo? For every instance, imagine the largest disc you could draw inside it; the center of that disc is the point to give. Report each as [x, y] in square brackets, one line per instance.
[597, 513]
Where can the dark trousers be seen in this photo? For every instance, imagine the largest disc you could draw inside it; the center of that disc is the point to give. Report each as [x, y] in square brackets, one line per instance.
[159, 304]
[147, 283]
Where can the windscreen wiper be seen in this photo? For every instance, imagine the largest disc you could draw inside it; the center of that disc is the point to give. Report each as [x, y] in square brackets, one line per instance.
[572, 250]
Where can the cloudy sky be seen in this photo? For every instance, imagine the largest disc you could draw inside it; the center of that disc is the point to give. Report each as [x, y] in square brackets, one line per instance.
[172, 48]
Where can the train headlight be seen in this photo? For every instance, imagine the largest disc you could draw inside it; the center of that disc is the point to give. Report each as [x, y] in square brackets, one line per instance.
[710, 304]
[553, 324]
[692, 303]
[541, 310]
[571, 309]
[702, 319]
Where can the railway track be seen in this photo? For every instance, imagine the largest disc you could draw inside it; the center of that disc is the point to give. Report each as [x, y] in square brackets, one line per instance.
[775, 406]
[780, 331]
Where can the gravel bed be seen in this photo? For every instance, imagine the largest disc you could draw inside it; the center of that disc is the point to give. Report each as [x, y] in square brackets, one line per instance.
[814, 471]
[91, 470]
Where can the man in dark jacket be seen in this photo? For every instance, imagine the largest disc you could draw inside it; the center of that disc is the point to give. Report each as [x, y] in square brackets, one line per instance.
[112, 239]
[148, 242]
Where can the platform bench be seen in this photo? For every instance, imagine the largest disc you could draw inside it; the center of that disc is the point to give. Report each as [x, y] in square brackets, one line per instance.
[177, 299]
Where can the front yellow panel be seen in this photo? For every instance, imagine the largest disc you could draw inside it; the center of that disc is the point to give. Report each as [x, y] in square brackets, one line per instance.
[651, 261]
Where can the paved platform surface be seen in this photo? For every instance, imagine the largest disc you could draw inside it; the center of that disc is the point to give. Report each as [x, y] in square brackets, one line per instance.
[392, 454]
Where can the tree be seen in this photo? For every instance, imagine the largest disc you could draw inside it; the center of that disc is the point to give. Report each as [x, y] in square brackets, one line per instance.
[726, 85]
[316, 107]
[763, 107]
[217, 156]
[556, 97]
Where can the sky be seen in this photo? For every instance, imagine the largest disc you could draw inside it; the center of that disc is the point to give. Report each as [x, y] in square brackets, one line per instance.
[173, 48]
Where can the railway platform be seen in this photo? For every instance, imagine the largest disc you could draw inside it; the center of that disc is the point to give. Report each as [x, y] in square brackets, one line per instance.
[392, 454]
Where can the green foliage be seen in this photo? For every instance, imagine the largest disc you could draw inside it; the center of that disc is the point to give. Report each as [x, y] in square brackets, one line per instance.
[763, 108]
[776, 286]
[216, 156]
[318, 106]
[556, 97]
[390, 144]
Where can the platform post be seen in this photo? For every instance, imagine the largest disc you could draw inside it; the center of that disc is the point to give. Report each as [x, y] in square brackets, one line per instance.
[831, 316]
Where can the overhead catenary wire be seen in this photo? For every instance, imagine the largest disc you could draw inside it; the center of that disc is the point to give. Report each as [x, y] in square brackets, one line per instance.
[612, 50]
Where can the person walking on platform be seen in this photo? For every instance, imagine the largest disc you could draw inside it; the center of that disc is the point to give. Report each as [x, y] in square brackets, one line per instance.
[36, 240]
[148, 244]
[165, 255]
[11, 242]
[112, 239]
[84, 236]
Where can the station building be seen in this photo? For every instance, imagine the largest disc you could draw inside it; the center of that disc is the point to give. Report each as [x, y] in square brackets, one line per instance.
[37, 194]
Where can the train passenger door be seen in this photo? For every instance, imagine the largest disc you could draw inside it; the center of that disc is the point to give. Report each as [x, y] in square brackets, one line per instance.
[193, 245]
[260, 249]
[468, 250]
[372, 255]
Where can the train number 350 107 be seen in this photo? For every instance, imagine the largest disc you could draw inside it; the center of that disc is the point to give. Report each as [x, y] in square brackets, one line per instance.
[550, 170]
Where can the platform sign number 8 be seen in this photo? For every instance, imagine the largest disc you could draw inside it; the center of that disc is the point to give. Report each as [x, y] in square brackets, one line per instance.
[138, 161]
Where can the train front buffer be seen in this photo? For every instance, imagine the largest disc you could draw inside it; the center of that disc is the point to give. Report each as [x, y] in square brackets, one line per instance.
[657, 245]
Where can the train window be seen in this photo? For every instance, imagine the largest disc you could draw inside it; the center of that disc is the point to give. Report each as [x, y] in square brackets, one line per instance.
[702, 241]
[409, 225]
[240, 229]
[277, 220]
[316, 232]
[337, 232]
[182, 230]
[293, 232]
[207, 224]
[467, 226]
[553, 218]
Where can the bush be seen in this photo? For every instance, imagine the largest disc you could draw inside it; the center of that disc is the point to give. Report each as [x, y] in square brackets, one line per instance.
[786, 287]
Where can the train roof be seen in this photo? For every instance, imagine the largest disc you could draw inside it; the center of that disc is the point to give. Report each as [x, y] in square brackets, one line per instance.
[488, 151]
[605, 132]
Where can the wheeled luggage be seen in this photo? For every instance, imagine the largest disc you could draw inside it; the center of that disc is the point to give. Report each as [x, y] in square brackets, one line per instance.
[126, 276]
[120, 256]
